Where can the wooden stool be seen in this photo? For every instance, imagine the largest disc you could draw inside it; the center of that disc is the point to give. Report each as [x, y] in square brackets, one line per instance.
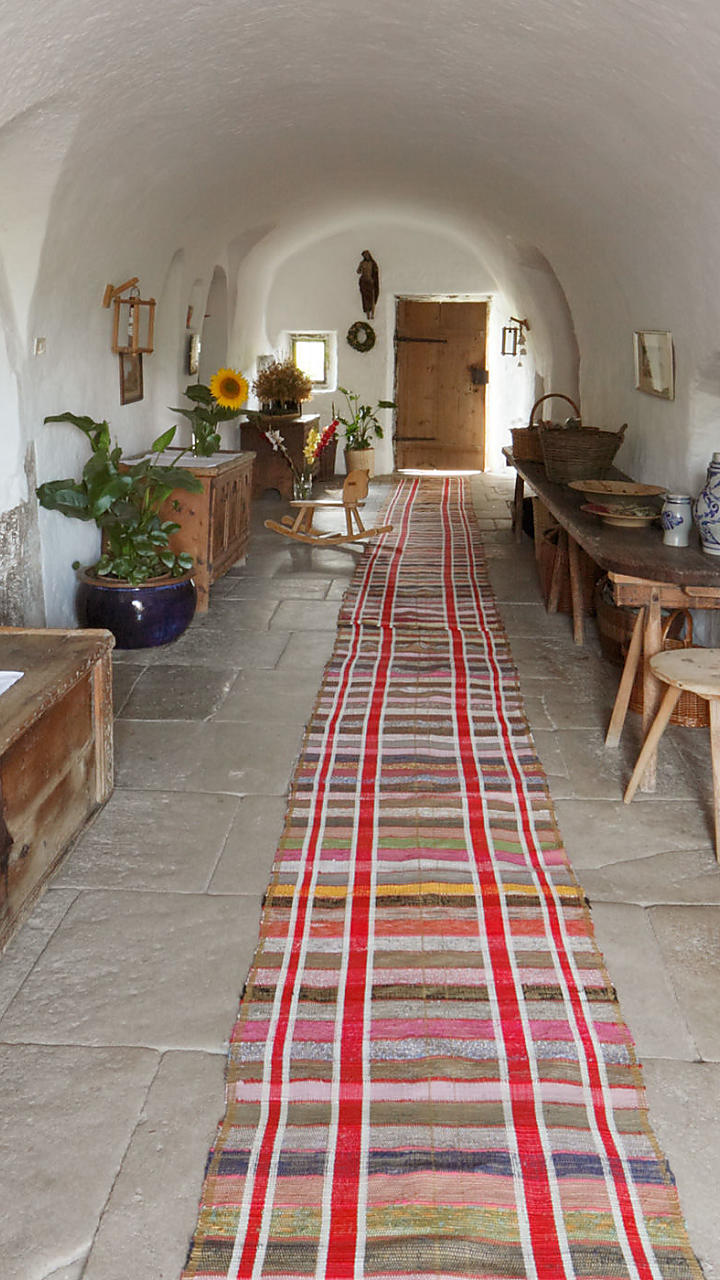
[697, 670]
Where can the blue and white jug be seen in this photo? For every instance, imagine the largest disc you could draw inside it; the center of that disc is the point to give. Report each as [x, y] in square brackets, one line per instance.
[676, 519]
[706, 509]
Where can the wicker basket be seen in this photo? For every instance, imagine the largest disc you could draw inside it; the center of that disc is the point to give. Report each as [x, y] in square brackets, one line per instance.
[615, 626]
[690, 710]
[579, 453]
[526, 445]
[526, 440]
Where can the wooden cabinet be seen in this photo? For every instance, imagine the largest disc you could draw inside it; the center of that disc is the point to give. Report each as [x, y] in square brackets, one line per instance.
[271, 468]
[215, 523]
[55, 754]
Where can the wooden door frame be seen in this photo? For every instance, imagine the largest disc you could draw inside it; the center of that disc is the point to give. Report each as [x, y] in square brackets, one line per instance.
[487, 298]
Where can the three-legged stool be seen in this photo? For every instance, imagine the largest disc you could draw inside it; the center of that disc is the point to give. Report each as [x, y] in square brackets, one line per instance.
[697, 670]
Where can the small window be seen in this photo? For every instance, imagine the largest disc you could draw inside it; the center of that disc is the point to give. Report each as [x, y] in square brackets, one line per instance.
[311, 353]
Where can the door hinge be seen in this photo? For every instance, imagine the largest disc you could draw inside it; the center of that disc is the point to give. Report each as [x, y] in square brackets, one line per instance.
[400, 338]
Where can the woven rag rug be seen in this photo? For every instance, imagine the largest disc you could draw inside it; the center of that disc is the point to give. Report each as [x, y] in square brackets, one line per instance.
[429, 1076]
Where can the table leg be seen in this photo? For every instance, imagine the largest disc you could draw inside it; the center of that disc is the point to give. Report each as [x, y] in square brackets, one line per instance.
[558, 571]
[650, 745]
[517, 516]
[575, 590]
[715, 755]
[652, 644]
[627, 680]
[102, 714]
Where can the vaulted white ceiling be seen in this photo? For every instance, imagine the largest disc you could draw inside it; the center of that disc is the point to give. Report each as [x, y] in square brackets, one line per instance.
[563, 119]
[581, 130]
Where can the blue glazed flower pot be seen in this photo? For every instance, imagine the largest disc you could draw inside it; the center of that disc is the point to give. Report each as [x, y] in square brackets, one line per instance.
[142, 617]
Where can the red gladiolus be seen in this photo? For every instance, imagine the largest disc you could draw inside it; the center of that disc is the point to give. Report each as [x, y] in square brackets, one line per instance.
[326, 437]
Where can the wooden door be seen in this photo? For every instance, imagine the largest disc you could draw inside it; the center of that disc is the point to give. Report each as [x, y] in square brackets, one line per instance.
[440, 384]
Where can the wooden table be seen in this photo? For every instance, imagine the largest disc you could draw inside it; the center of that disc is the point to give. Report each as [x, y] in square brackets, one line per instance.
[56, 753]
[642, 571]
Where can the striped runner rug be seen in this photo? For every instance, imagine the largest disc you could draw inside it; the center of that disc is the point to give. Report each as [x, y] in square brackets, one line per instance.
[429, 1075]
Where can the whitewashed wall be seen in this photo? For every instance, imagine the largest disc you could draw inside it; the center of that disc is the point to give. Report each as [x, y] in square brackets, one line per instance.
[571, 148]
[316, 288]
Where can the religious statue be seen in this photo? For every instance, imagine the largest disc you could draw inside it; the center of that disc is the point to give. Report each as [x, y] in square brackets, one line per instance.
[369, 283]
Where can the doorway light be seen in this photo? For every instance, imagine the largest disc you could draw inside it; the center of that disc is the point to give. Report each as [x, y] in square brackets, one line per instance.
[441, 472]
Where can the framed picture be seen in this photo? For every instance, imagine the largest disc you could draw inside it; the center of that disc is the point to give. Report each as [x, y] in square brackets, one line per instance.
[654, 363]
[131, 378]
[192, 359]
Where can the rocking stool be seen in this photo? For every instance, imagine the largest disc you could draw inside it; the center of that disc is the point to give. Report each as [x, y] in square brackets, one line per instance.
[352, 498]
[698, 671]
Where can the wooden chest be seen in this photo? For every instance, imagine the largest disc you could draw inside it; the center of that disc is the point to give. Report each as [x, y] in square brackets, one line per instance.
[55, 754]
[215, 523]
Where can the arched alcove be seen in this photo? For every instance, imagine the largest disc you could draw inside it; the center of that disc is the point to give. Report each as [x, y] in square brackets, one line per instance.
[303, 277]
[168, 359]
[214, 332]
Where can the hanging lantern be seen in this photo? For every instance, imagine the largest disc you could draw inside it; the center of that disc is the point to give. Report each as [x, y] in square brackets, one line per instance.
[509, 340]
[133, 319]
[513, 337]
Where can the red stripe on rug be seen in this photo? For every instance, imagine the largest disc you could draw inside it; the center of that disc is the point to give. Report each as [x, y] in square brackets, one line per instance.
[629, 1216]
[546, 1250]
[343, 1227]
[247, 1262]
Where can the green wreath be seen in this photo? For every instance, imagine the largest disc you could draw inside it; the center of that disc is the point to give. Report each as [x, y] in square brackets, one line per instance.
[361, 336]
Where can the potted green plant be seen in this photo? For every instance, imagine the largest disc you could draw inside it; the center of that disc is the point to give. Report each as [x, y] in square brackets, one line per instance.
[138, 588]
[362, 426]
[219, 402]
[281, 388]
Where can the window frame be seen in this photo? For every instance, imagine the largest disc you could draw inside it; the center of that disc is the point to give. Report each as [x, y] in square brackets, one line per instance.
[317, 336]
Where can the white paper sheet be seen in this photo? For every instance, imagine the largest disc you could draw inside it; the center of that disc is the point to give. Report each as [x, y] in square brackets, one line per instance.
[7, 678]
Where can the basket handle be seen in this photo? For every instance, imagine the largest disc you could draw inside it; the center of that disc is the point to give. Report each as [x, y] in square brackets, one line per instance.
[553, 395]
[669, 623]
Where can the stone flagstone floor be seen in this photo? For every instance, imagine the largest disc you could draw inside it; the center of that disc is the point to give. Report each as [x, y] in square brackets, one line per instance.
[117, 996]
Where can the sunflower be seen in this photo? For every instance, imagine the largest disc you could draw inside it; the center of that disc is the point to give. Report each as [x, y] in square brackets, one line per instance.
[229, 388]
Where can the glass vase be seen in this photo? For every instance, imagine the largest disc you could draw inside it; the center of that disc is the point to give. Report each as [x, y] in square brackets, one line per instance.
[302, 487]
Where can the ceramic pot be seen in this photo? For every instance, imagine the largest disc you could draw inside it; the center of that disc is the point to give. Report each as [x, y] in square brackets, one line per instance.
[706, 509]
[676, 519]
[360, 460]
[142, 617]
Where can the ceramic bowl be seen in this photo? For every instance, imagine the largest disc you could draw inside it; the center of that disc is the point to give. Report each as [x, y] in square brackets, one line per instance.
[618, 492]
[622, 516]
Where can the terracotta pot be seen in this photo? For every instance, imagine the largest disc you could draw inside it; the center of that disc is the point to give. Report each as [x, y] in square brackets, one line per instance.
[360, 460]
[141, 617]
